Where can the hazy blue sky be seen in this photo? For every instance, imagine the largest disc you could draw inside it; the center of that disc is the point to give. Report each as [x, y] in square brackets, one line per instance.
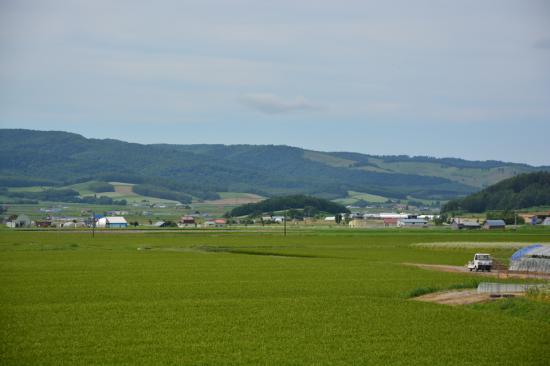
[461, 78]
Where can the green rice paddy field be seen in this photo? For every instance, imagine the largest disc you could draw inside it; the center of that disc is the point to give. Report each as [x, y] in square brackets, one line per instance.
[249, 298]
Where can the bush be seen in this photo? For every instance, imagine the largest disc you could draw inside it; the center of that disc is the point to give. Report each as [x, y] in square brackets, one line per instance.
[509, 217]
[99, 187]
[419, 291]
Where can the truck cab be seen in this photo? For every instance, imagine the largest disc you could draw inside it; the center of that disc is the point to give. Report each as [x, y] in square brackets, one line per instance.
[482, 262]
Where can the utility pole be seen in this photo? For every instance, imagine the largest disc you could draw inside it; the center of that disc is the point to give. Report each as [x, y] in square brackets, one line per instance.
[93, 224]
[284, 222]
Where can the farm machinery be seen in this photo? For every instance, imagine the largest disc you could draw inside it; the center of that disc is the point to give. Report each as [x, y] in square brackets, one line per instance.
[481, 262]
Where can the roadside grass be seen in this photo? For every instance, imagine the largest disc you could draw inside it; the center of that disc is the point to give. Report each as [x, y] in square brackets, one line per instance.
[476, 244]
[519, 307]
[419, 291]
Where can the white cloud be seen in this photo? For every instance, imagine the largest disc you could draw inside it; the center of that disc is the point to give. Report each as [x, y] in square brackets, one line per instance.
[272, 104]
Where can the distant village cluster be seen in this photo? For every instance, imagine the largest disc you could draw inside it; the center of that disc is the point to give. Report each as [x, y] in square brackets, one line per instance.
[457, 223]
[118, 220]
[112, 220]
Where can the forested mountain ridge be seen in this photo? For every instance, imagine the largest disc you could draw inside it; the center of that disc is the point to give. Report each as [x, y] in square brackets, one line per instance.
[58, 158]
[522, 191]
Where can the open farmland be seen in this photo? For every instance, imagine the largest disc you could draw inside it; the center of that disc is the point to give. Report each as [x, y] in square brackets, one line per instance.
[320, 297]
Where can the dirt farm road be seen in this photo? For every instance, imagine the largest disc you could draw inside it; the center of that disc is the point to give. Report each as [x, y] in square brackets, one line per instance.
[465, 270]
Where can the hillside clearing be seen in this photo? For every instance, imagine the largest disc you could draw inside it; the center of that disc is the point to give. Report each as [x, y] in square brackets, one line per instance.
[234, 198]
[124, 189]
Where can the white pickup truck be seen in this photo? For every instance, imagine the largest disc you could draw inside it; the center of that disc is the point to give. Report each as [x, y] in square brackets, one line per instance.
[482, 261]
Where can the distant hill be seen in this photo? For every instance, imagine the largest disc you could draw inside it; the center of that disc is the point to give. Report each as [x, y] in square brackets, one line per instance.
[522, 191]
[306, 203]
[52, 158]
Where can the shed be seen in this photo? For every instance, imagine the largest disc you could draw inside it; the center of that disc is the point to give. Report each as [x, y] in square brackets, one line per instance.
[278, 219]
[412, 223]
[393, 215]
[494, 224]
[20, 221]
[220, 222]
[465, 225]
[112, 222]
[72, 224]
[546, 221]
[534, 258]
[390, 221]
[187, 220]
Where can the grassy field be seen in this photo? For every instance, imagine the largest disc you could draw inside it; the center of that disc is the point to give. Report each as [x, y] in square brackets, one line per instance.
[311, 298]
[475, 177]
[353, 197]
[230, 195]
[136, 203]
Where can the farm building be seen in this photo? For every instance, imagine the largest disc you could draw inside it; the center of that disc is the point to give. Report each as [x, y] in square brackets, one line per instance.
[426, 217]
[357, 223]
[390, 221]
[412, 223]
[494, 224]
[117, 213]
[112, 222]
[187, 220]
[220, 222]
[330, 218]
[215, 223]
[535, 218]
[529, 218]
[465, 225]
[393, 215]
[19, 221]
[73, 225]
[278, 219]
[534, 258]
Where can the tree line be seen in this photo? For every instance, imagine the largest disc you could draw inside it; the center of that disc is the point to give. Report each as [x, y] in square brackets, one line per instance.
[521, 191]
[61, 195]
[308, 204]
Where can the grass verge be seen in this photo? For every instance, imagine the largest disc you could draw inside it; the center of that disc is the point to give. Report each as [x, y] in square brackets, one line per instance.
[520, 307]
[419, 291]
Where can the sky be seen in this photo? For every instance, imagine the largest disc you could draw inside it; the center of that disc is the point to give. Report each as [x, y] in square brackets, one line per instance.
[468, 79]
